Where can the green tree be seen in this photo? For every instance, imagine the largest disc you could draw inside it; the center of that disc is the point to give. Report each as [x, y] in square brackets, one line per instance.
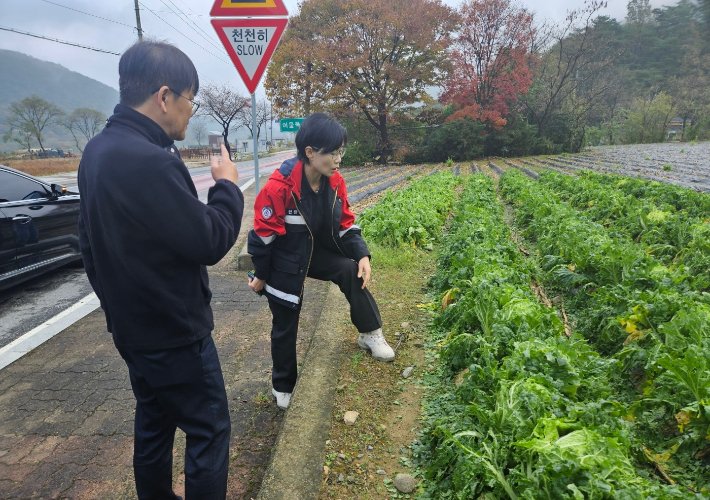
[33, 114]
[690, 88]
[571, 77]
[22, 135]
[647, 121]
[639, 12]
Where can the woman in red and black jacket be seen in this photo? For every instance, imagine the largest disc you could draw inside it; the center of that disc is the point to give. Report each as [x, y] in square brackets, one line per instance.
[303, 226]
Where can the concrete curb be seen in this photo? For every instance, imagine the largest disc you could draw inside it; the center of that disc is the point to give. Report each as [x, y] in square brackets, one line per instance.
[296, 468]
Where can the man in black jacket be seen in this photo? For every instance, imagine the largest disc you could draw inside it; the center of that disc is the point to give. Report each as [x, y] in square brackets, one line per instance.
[146, 239]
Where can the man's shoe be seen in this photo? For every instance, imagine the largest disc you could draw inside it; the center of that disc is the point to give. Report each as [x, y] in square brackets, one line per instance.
[375, 342]
[282, 398]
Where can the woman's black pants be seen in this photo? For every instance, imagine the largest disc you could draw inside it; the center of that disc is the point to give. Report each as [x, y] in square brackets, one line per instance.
[326, 266]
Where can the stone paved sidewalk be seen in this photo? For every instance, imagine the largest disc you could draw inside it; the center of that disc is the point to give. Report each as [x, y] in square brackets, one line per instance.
[66, 409]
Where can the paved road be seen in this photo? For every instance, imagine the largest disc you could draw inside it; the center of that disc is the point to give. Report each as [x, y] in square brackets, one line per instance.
[33, 302]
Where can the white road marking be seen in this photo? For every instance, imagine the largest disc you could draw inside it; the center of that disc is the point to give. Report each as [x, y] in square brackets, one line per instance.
[38, 336]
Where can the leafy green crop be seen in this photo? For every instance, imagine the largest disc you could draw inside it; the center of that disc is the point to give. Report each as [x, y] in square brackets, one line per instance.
[412, 216]
[653, 319]
[675, 237]
[518, 410]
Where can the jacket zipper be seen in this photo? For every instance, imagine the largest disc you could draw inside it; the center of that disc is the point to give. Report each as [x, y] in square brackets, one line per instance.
[313, 242]
[332, 222]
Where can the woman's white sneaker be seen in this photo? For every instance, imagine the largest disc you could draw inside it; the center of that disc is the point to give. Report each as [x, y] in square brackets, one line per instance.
[376, 343]
[282, 398]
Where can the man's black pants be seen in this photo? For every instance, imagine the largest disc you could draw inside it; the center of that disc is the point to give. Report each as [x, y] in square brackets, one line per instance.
[326, 266]
[181, 387]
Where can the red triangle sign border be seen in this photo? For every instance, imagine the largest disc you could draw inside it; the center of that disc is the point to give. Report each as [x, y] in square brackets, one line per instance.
[279, 9]
[278, 23]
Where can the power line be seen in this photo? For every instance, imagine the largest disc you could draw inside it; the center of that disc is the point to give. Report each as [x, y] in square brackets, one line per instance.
[88, 14]
[188, 24]
[183, 34]
[59, 41]
[193, 22]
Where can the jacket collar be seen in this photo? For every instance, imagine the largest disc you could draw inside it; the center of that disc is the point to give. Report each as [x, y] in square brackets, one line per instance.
[139, 122]
[292, 171]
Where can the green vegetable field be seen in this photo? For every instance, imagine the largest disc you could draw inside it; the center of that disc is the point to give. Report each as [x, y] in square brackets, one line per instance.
[571, 335]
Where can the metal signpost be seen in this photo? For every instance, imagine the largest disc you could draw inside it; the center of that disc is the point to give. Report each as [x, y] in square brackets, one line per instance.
[250, 43]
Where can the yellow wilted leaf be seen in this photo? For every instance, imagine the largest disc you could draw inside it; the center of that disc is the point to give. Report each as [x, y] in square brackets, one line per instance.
[449, 298]
[635, 335]
[571, 267]
[683, 418]
[660, 458]
[459, 378]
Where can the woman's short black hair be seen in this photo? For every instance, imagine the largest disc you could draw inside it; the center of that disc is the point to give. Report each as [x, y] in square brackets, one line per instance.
[320, 132]
[148, 65]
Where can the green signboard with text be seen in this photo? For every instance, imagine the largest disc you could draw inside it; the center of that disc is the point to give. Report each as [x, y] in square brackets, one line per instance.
[290, 124]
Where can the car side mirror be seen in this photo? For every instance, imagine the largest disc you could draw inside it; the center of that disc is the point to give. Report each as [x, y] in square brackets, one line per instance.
[58, 190]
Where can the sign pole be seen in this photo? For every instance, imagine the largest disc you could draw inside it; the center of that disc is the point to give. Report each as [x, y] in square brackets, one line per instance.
[256, 143]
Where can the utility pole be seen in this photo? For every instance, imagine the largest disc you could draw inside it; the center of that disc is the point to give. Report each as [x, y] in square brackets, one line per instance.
[138, 22]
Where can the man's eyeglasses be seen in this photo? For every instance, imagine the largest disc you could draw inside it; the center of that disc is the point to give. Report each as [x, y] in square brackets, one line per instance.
[195, 105]
[338, 152]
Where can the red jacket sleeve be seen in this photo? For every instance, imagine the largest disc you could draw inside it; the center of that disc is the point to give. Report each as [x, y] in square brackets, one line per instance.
[347, 218]
[269, 212]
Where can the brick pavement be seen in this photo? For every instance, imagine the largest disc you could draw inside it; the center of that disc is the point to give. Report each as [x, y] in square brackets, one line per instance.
[66, 408]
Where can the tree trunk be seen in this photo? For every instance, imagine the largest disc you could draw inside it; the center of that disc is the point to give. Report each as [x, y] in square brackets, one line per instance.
[39, 139]
[384, 140]
[225, 136]
[76, 141]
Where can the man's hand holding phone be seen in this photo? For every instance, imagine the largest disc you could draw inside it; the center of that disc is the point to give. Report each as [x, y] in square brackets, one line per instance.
[255, 283]
[223, 167]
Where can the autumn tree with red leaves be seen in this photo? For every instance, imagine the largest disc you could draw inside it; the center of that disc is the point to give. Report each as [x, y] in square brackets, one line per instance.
[491, 60]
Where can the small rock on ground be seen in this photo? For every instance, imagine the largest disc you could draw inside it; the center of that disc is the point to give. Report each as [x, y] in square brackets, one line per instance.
[341, 478]
[381, 472]
[405, 483]
[350, 417]
[407, 372]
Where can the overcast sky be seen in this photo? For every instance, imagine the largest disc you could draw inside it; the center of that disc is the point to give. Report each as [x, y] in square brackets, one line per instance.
[195, 37]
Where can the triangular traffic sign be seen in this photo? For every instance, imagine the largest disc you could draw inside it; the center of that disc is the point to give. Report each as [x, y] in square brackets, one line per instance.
[250, 44]
[236, 8]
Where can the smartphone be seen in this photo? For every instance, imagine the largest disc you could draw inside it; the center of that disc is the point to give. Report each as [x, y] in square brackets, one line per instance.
[253, 276]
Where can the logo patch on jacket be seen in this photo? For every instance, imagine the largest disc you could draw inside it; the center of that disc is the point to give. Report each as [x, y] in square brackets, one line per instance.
[267, 212]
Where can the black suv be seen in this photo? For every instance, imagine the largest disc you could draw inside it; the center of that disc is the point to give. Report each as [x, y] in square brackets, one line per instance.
[38, 227]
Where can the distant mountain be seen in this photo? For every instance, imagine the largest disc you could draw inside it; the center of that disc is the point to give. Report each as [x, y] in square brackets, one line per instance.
[22, 75]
